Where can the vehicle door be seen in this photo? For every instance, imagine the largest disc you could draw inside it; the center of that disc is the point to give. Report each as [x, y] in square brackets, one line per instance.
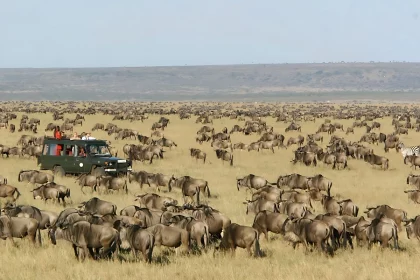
[81, 163]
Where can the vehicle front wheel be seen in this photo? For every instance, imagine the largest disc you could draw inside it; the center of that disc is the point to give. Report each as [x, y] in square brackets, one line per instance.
[59, 171]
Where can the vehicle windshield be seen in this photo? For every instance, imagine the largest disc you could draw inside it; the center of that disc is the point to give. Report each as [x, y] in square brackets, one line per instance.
[98, 150]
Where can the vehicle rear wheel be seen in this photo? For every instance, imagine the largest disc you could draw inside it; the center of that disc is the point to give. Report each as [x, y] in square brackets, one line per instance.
[59, 171]
[97, 171]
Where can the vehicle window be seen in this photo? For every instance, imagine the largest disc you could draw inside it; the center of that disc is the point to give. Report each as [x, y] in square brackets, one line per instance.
[70, 150]
[55, 149]
[46, 150]
[80, 151]
[98, 150]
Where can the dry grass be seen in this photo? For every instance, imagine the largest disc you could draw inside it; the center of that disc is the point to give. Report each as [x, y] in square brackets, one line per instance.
[362, 183]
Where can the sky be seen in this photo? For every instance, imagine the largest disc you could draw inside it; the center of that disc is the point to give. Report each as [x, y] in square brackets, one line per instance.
[131, 33]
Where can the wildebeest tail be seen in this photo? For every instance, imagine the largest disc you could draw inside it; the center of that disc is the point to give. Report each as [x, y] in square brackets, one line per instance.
[114, 209]
[257, 251]
[207, 189]
[197, 189]
[151, 245]
[329, 188]
[38, 232]
[18, 193]
[405, 216]
[355, 210]
[395, 237]
[344, 235]
[206, 235]
[231, 160]
[68, 193]
[125, 187]
[314, 161]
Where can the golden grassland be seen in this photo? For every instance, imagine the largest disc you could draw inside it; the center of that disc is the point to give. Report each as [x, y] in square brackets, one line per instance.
[362, 183]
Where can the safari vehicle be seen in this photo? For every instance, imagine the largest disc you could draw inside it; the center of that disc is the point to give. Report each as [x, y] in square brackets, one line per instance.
[67, 156]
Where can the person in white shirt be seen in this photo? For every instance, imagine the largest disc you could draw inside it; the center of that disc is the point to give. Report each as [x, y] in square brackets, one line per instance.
[88, 137]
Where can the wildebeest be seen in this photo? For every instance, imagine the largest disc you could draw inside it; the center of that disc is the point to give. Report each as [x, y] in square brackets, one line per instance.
[19, 227]
[413, 180]
[98, 206]
[7, 191]
[307, 158]
[113, 183]
[224, 156]
[252, 181]
[199, 230]
[240, 236]
[258, 205]
[140, 177]
[413, 159]
[412, 227]
[138, 239]
[292, 209]
[159, 180]
[414, 195]
[170, 236]
[296, 140]
[308, 232]
[35, 177]
[377, 160]
[191, 186]
[155, 201]
[347, 207]
[198, 154]
[319, 182]
[397, 215]
[86, 180]
[86, 236]
[266, 221]
[293, 181]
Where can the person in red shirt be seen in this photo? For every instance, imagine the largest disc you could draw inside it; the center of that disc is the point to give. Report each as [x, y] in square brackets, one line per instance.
[57, 135]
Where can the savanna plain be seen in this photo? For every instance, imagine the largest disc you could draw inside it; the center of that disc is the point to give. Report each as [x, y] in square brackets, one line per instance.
[361, 182]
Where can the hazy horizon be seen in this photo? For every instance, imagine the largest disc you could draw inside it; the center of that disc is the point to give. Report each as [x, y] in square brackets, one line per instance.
[86, 34]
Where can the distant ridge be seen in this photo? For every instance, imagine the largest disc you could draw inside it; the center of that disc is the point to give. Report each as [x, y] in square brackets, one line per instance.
[290, 82]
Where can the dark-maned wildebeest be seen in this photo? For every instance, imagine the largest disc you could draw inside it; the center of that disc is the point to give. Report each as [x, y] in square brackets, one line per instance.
[266, 221]
[98, 206]
[377, 160]
[397, 215]
[224, 156]
[198, 154]
[86, 236]
[240, 236]
[35, 177]
[19, 227]
[308, 232]
[170, 236]
[137, 239]
[414, 195]
[7, 191]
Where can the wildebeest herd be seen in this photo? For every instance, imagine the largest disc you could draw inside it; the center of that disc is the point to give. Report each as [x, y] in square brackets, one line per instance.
[304, 206]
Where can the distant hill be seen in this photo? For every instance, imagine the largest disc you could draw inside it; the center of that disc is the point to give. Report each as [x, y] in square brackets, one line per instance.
[393, 81]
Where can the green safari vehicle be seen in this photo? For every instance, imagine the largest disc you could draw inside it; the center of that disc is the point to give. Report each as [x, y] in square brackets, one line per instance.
[65, 156]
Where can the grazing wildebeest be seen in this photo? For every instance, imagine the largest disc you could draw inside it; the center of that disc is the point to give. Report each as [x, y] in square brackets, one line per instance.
[349, 130]
[266, 221]
[240, 236]
[224, 156]
[137, 239]
[35, 177]
[414, 195]
[98, 206]
[7, 191]
[307, 158]
[252, 181]
[198, 154]
[377, 160]
[397, 215]
[86, 236]
[308, 232]
[296, 140]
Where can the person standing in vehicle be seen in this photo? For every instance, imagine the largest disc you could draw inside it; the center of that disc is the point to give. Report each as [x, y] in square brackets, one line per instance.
[57, 133]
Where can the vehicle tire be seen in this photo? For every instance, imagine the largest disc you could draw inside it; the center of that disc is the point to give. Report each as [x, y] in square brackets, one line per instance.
[97, 171]
[59, 171]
